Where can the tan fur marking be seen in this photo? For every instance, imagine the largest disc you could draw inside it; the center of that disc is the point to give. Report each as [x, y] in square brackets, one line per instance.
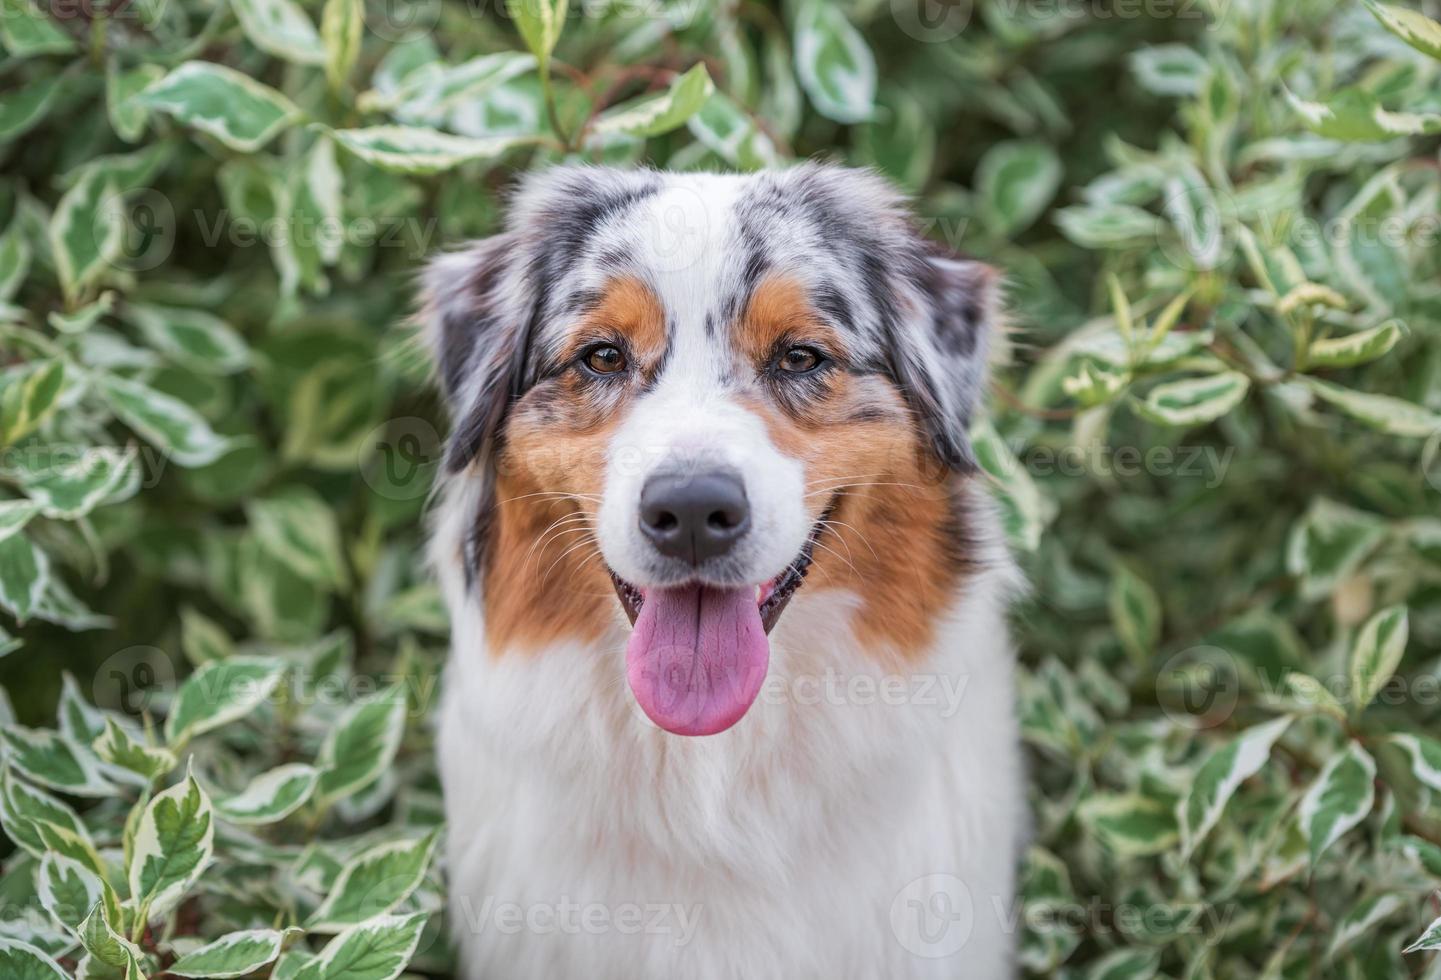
[892, 536]
[629, 308]
[778, 308]
[545, 580]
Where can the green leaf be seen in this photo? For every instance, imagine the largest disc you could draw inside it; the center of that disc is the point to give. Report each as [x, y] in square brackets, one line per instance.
[1092, 385]
[193, 339]
[22, 109]
[69, 890]
[174, 844]
[54, 761]
[29, 396]
[1024, 511]
[374, 883]
[87, 232]
[1425, 756]
[1355, 115]
[1430, 939]
[102, 939]
[1014, 182]
[1171, 69]
[432, 90]
[1411, 26]
[1195, 214]
[1328, 544]
[1305, 693]
[1130, 825]
[834, 63]
[236, 954]
[1356, 348]
[128, 115]
[1361, 919]
[1218, 778]
[21, 961]
[1376, 654]
[1391, 415]
[729, 132]
[362, 744]
[540, 23]
[1107, 226]
[1339, 799]
[281, 28]
[219, 693]
[26, 30]
[1126, 964]
[69, 488]
[117, 747]
[342, 28]
[656, 114]
[79, 720]
[202, 639]
[1193, 401]
[376, 950]
[299, 529]
[223, 103]
[15, 254]
[165, 421]
[1135, 613]
[24, 574]
[418, 150]
[15, 515]
[271, 796]
[22, 806]
[900, 140]
[78, 847]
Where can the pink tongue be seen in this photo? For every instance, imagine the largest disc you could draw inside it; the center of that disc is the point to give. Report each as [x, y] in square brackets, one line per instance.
[697, 657]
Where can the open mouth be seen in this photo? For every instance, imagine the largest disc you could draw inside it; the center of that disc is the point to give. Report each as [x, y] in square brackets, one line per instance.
[698, 653]
[771, 597]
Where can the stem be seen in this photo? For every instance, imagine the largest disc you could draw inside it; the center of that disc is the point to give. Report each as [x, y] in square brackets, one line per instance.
[547, 92]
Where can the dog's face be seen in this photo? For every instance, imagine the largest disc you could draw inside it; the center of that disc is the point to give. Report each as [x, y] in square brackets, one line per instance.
[694, 374]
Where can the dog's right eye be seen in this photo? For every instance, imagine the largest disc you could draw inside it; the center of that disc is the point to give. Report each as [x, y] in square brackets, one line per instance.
[605, 359]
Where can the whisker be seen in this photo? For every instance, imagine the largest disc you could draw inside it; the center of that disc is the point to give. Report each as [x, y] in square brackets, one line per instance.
[839, 556]
[879, 483]
[864, 541]
[553, 538]
[555, 493]
[574, 547]
[541, 538]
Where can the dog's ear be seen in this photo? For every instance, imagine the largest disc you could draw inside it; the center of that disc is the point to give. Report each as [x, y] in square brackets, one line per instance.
[477, 313]
[940, 354]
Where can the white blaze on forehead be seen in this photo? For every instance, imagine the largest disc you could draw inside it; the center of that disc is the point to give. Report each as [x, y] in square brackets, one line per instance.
[685, 245]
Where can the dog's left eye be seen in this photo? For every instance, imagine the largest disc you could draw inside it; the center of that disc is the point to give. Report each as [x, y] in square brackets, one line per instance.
[800, 360]
[605, 359]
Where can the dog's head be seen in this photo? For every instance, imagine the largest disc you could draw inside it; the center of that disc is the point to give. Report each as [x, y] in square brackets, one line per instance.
[686, 382]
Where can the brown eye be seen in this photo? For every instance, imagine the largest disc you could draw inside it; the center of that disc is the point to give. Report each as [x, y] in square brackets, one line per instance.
[605, 360]
[800, 360]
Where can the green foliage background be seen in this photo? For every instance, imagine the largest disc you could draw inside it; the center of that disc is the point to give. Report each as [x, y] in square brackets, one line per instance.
[1214, 436]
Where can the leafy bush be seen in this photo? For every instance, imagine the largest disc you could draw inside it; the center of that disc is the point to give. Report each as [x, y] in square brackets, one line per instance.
[1215, 442]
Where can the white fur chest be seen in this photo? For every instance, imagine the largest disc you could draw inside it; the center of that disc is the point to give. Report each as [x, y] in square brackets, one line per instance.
[859, 822]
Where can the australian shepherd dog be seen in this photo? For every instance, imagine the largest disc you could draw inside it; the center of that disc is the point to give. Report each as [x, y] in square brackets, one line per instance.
[730, 690]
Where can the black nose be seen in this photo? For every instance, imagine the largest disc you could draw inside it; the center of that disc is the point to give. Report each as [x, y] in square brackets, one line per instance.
[694, 516]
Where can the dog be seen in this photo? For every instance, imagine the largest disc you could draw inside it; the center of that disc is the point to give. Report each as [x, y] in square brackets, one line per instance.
[730, 692]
